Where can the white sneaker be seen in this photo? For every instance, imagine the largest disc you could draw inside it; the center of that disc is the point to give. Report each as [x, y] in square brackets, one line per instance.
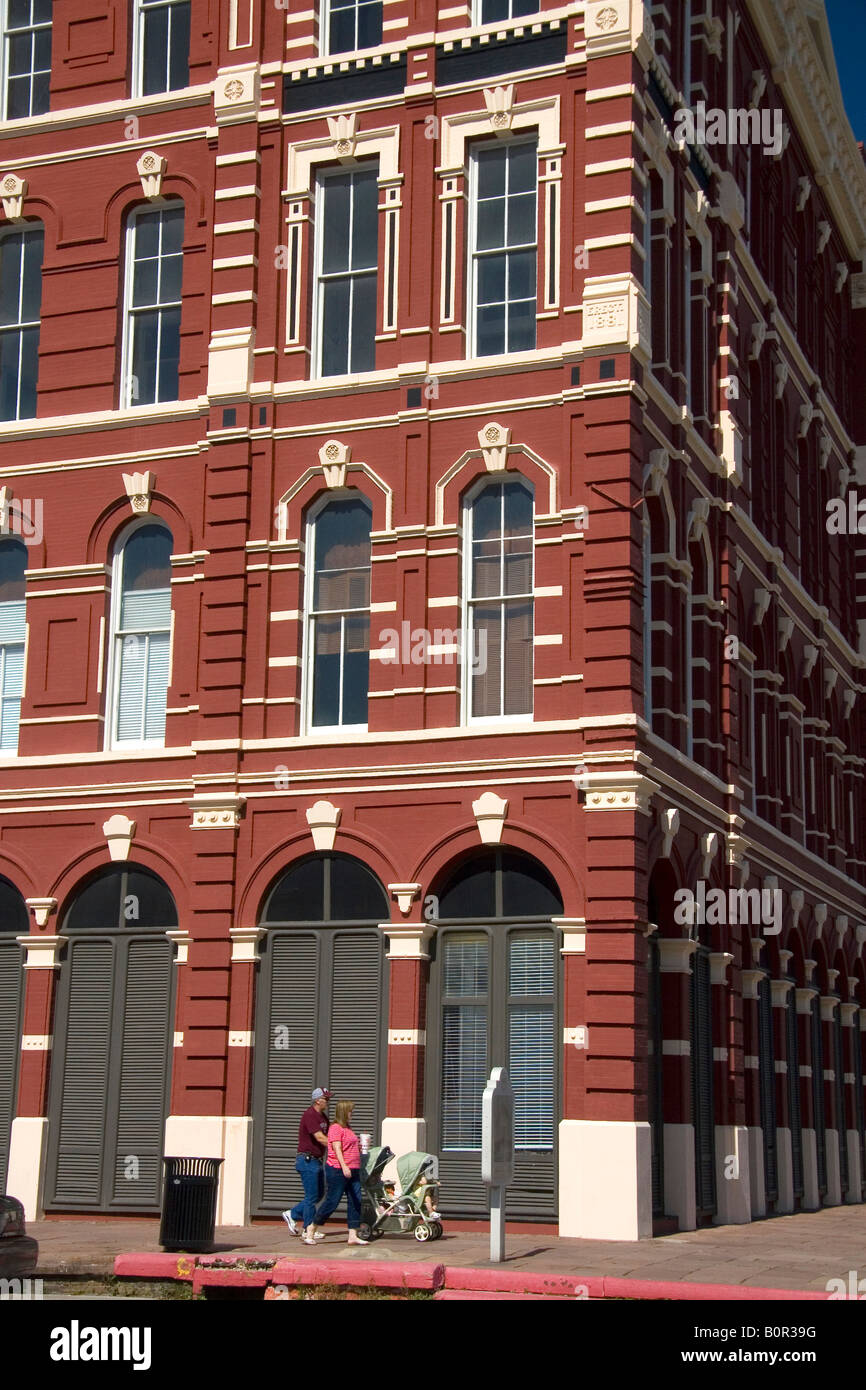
[292, 1225]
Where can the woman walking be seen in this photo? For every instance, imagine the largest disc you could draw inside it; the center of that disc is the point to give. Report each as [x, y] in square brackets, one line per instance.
[342, 1174]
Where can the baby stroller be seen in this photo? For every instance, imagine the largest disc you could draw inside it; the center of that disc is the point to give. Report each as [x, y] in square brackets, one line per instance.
[413, 1208]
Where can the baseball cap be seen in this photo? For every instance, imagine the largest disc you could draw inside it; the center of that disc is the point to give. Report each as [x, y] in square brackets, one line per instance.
[320, 1094]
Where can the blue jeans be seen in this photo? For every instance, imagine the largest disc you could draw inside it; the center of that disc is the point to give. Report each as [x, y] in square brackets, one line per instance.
[310, 1171]
[337, 1184]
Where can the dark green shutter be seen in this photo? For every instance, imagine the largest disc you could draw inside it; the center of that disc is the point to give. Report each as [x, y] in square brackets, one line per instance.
[79, 1111]
[293, 959]
[356, 1017]
[11, 997]
[144, 1029]
[818, 1096]
[796, 1116]
[702, 1083]
[767, 1088]
[839, 1084]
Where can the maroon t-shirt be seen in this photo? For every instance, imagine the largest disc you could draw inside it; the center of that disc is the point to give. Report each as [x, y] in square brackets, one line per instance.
[311, 1121]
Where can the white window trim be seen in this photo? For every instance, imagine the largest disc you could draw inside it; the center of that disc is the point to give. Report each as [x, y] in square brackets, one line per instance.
[308, 728]
[478, 22]
[8, 234]
[467, 718]
[112, 743]
[138, 51]
[472, 268]
[325, 33]
[155, 205]
[4, 73]
[316, 343]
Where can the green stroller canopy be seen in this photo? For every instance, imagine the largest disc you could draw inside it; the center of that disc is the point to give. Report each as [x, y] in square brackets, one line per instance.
[410, 1167]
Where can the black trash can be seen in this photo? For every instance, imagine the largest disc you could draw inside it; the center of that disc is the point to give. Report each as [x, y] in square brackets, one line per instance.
[189, 1197]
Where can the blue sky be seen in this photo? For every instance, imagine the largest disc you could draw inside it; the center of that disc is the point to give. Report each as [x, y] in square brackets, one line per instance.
[848, 25]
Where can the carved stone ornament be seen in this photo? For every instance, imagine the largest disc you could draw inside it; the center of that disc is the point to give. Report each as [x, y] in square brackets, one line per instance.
[41, 909]
[831, 675]
[621, 792]
[858, 290]
[404, 894]
[810, 656]
[490, 811]
[669, 825]
[824, 232]
[151, 168]
[335, 459]
[118, 831]
[759, 333]
[781, 375]
[709, 848]
[759, 86]
[804, 188]
[849, 698]
[237, 94]
[500, 107]
[762, 604]
[139, 487]
[819, 916]
[494, 440]
[216, 811]
[825, 446]
[842, 273]
[13, 191]
[807, 415]
[323, 818]
[656, 472]
[344, 133]
[785, 627]
[698, 518]
[606, 19]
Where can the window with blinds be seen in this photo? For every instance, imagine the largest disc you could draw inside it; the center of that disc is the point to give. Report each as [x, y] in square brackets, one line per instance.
[26, 57]
[499, 618]
[338, 629]
[531, 983]
[13, 562]
[161, 58]
[141, 640]
[20, 320]
[154, 271]
[465, 985]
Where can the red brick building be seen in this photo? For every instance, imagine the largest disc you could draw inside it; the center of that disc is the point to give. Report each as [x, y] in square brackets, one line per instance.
[425, 440]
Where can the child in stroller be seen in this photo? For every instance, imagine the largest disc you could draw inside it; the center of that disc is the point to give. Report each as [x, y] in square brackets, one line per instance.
[412, 1208]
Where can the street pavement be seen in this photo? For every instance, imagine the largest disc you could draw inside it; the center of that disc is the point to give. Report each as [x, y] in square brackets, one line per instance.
[783, 1252]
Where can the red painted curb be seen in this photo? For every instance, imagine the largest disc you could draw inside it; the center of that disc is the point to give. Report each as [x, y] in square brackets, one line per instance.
[491, 1296]
[513, 1281]
[153, 1265]
[205, 1278]
[739, 1293]
[358, 1274]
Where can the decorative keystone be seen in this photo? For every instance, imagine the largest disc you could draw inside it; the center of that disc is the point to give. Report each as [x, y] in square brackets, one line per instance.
[819, 913]
[781, 376]
[494, 440]
[344, 133]
[825, 448]
[500, 107]
[323, 818]
[656, 472]
[797, 900]
[824, 232]
[698, 518]
[216, 811]
[13, 191]
[709, 849]
[151, 168]
[669, 825]
[490, 811]
[335, 458]
[841, 925]
[810, 656]
[139, 487]
[41, 909]
[759, 333]
[118, 831]
[842, 273]
[831, 675]
[762, 604]
[804, 188]
[405, 894]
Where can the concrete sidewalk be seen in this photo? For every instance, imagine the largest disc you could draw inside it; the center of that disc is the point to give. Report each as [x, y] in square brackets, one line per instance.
[786, 1252]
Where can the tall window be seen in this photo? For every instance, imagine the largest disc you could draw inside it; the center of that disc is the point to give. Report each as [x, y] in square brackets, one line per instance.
[495, 11]
[504, 240]
[347, 222]
[499, 616]
[354, 24]
[26, 57]
[13, 562]
[141, 635]
[338, 634]
[154, 266]
[161, 62]
[20, 305]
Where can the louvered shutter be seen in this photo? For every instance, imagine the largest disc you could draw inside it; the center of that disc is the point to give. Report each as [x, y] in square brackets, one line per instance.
[656, 1098]
[12, 633]
[143, 1029]
[11, 996]
[356, 1024]
[818, 1096]
[702, 1083]
[839, 1087]
[531, 1063]
[767, 1087]
[83, 1073]
[794, 1095]
[287, 1046]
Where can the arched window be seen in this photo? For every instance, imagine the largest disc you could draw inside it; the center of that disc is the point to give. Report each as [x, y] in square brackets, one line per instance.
[338, 616]
[495, 1002]
[20, 318]
[151, 339]
[498, 622]
[13, 562]
[141, 630]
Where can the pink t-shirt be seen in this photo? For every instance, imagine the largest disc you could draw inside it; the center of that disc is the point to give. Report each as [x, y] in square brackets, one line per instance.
[351, 1147]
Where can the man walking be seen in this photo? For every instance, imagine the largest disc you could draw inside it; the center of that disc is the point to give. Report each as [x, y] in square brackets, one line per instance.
[312, 1147]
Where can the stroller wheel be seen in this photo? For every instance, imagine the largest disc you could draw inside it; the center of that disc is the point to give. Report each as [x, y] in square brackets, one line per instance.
[365, 1231]
[436, 1230]
[423, 1231]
